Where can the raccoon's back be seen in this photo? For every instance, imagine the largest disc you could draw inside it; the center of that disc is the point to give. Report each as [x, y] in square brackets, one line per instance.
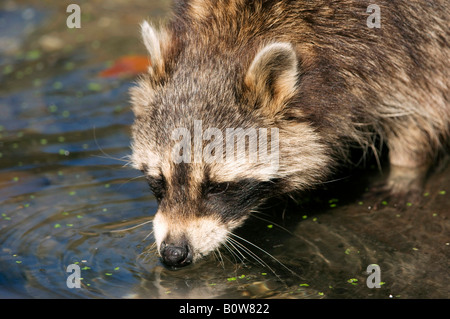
[333, 39]
[354, 80]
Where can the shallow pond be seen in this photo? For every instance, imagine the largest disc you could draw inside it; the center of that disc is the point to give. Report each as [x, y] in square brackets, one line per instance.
[67, 196]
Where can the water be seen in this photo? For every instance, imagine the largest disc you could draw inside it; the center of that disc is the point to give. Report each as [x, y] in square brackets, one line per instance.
[66, 195]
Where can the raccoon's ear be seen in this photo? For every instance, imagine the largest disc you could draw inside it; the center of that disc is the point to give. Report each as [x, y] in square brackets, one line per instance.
[271, 79]
[154, 42]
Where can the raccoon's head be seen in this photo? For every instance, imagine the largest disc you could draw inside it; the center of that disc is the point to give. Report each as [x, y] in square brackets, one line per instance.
[213, 142]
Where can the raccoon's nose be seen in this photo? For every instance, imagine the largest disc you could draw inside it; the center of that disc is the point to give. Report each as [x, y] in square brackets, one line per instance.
[175, 256]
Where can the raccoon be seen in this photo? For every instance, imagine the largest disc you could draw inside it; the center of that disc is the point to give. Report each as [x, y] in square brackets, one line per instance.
[316, 71]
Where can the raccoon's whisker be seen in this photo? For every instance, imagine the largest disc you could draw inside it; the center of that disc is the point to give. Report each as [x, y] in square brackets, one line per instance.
[131, 228]
[106, 155]
[150, 233]
[236, 253]
[249, 252]
[131, 179]
[220, 258]
[269, 221]
[257, 247]
[232, 253]
[152, 246]
[331, 180]
[254, 212]
[215, 255]
[257, 213]
[377, 157]
[151, 250]
[252, 254]
[127, 162]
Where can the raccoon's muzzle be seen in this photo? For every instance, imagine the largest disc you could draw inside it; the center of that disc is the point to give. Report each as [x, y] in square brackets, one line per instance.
[175, 256]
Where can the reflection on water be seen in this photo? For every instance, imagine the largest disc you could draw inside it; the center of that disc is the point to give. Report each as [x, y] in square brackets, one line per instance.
[68, 197]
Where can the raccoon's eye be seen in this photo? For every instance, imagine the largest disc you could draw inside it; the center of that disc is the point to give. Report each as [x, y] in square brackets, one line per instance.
[216, 188]
[158, 186]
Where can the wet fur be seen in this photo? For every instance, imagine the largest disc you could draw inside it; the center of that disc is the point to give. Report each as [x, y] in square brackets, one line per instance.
[314, 70]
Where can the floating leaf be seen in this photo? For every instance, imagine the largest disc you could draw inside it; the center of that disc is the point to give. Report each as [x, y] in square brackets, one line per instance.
[127, 66]
[93, 86]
